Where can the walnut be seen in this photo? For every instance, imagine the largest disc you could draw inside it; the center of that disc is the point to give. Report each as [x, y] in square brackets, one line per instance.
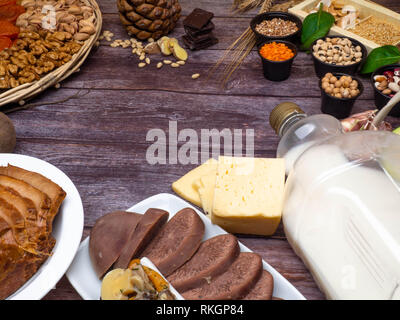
[33, 56]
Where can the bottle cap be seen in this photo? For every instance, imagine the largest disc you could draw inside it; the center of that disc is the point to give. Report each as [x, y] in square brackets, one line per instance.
[281, 112]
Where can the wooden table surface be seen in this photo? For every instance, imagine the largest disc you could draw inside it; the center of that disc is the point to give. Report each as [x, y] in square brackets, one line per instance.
[99, 140]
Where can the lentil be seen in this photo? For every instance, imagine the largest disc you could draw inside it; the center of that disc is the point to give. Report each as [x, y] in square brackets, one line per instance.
[276, 52]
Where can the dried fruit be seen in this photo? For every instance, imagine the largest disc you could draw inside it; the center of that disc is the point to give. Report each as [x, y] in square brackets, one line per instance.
[7, 29]
[164, 46]
[11, 12]
[5, 43]
[178, 52]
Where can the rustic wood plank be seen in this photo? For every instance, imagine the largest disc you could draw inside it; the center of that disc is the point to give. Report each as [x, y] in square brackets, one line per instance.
[219, 8]
[99, 140]
[248, 80]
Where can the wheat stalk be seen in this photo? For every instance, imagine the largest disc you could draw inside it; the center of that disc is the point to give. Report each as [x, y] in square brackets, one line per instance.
[243, 45]
[245, 5]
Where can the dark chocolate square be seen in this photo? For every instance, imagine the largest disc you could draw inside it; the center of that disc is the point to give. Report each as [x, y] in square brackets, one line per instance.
[200, 45]
[206, 29]
[198, 18]
[200, 38]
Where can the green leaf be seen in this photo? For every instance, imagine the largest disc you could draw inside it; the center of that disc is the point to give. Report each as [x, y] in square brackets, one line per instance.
[315, 26]
[381, 57]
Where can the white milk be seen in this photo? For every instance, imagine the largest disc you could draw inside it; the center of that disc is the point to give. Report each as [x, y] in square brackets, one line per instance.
[344, 222]
[292, 155]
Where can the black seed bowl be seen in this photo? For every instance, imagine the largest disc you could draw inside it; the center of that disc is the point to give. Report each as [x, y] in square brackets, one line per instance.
[322, 68]
[277, 70]
[294, 37]
[381, 99]
[340, 108]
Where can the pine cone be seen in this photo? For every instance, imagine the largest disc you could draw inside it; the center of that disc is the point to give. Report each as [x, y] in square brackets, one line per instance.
[145, 19]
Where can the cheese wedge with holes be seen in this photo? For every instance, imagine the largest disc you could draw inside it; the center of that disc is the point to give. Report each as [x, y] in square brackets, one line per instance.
[186, 186]
[205, 188]
[248, 195]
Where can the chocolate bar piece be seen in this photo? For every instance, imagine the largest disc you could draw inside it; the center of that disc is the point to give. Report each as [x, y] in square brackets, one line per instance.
[206, 29]
[199, 38]
[198, 19]
[199, 45]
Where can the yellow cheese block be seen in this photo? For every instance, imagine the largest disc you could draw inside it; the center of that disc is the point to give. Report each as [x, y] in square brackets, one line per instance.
[248, 195]
[186, 186]
[205, 187]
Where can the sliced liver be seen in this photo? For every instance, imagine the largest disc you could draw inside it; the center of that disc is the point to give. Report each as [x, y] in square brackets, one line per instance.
[148, 227]
[108, 237]
[263, 288]
[177, 241]
[213, 258]
[233, 284]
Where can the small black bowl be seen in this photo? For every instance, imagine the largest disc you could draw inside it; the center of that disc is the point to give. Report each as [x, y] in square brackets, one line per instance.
[381, 99]
[322, 68]
[340, 108]
[277, 70]
[294, 37]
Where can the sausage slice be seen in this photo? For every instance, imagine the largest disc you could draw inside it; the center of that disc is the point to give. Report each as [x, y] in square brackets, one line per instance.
[177, 241]
[108, 237]
[233, 284]
[148, 226]
[263, 288]
[214, 257]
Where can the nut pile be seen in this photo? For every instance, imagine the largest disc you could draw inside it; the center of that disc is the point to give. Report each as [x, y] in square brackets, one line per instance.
[73, 17]
[33, 55]
[337, 51]
[389, 82]
[165, 46]
[276, 27]
[343, 88]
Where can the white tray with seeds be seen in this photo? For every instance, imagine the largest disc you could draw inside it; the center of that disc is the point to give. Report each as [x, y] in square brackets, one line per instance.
[368, 11]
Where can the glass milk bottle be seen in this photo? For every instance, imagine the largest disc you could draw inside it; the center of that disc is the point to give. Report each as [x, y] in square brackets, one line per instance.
[299, 131]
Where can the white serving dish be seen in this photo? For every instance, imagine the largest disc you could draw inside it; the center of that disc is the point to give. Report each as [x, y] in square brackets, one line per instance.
[67, 229]
[147, 263]
[366, 8]
[84, 279]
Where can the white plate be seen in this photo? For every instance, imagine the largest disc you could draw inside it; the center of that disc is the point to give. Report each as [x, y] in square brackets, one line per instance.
[84, 279]
[67, 229]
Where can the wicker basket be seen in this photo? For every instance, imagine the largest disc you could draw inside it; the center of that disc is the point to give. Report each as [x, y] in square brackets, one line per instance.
[27, 91]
